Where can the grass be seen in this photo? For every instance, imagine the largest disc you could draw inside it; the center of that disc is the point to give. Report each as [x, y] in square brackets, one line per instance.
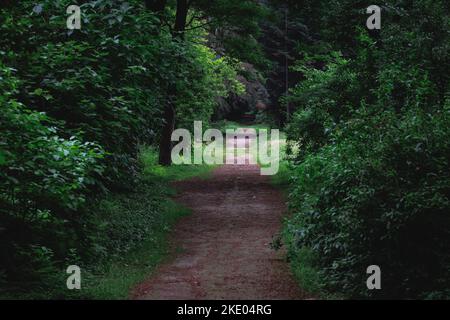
[232, 125]
[306, 272]
[123, 274]
[302, 261]
[152, 170]
[282, 178]
[116, 278]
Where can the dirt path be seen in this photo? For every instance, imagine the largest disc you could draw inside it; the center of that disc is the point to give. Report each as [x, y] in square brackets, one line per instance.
[225, 243]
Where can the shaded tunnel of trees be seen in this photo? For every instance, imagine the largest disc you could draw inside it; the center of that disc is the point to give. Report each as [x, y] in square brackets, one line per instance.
[366, 114]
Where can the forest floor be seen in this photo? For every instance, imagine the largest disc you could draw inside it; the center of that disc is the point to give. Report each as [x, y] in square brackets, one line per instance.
[223, 249]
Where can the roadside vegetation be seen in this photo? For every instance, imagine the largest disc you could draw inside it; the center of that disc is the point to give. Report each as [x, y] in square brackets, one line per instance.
[76, 107]
[130, 235]
[369, 151]
[86, 118]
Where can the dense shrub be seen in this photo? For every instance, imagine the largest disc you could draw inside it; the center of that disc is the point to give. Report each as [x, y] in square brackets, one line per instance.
[370, 180]
[75, 107]
[43, 182]
[109, 80]
[379, 196]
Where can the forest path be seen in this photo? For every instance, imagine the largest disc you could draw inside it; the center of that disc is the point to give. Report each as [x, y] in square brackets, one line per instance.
[225, 242]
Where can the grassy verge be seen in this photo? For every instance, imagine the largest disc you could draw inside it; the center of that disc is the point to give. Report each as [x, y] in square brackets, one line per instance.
[224, 125]
[302, 262]
[138, 225]
[118, 277]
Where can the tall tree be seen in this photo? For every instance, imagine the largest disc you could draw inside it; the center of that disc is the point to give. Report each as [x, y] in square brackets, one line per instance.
[239, 15]
[169, 108]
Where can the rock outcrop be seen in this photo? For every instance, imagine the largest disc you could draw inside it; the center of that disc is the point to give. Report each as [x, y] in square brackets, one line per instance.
[256, 97]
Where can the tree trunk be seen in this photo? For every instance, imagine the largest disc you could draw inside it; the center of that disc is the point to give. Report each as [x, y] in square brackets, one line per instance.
[181, 19]
[165, 145]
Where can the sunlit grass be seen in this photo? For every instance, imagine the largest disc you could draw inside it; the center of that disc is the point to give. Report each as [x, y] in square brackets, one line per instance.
[149, 159]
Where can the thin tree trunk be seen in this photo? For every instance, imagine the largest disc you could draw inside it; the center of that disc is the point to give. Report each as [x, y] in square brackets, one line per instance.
[181, 19]
[165, 145]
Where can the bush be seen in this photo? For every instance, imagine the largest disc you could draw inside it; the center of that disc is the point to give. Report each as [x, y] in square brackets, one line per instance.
[44, 179]
[76, 105]
[370, 177]
[379, 195]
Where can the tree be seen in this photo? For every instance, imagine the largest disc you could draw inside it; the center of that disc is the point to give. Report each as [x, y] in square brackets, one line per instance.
[236, 14]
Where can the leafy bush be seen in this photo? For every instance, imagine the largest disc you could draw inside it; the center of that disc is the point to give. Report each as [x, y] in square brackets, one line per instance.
[104, 81]
[379, 196]
[109, 80]
[323, 99]
[370, 180]
[76, 107]
[43, 183]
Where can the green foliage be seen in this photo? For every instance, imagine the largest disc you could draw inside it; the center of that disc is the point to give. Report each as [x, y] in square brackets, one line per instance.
[76, 107]
[210, 76]
[103, 81]
[43, 182]
[109, 80]
[236, 24]
[369, 140]
[323, 98]
[379, 196]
